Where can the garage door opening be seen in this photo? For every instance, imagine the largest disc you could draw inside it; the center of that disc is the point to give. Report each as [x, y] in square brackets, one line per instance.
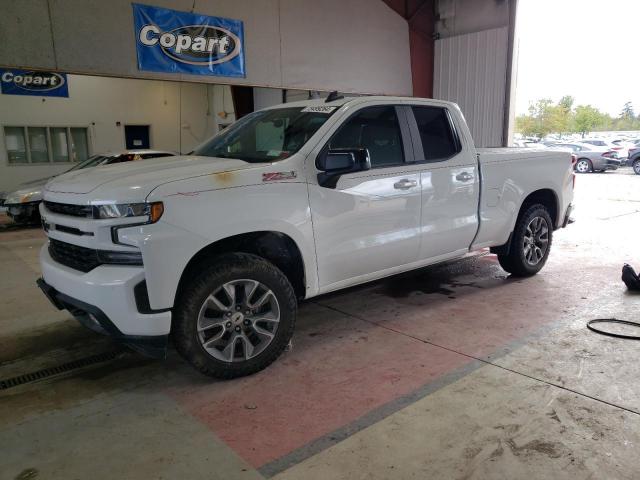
[577, 73]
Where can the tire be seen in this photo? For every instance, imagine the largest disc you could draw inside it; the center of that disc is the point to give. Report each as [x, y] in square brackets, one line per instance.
[583, 165]
[226, 338]
[636, 167]
[520, 260]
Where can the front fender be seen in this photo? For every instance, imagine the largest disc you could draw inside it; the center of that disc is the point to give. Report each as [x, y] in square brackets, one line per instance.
[192, 222]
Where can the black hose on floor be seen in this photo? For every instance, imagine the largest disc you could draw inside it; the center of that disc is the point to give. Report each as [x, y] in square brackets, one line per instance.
[612, 334]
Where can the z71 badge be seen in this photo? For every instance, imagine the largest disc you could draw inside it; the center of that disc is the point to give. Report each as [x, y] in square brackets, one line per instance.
[275, 176]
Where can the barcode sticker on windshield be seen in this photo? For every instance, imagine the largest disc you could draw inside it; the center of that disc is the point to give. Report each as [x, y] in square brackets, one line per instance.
[319, 109]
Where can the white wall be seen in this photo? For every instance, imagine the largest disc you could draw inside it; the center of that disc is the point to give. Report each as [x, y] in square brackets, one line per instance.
[181, 115]
[346, 45]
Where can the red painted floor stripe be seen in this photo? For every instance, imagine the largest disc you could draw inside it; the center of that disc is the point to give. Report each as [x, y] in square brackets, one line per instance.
[327, 381]
[342, 367]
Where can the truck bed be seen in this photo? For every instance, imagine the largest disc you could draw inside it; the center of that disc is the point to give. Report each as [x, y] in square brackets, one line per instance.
[508, 176]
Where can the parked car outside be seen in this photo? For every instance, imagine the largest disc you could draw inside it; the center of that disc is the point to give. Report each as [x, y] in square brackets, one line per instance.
[591, 158]
[634, 160]
[528, 144]
[621, 150]
[22, 204]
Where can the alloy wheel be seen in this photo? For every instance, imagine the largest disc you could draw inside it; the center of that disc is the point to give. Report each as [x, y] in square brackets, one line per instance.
[582, 166]
[238, 320]
[536, 240]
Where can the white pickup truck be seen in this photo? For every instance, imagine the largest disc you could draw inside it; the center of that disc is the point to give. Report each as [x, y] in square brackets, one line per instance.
[294, 201]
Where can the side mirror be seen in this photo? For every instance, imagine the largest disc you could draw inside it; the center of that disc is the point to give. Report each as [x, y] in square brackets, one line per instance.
[336, 162]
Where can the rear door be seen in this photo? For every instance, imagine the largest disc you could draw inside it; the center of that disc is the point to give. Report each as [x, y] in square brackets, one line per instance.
[369, 223]
[450, 182]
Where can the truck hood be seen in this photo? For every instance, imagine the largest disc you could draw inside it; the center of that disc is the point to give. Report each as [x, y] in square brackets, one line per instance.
[140, 177]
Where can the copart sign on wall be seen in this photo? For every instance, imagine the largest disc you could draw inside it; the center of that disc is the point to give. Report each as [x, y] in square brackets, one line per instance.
[180, 42]
[28, 82]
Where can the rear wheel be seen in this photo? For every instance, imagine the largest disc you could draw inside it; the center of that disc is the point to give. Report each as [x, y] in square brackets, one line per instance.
[530, 242]
[584, 165]
[636, 167]
[236, 317]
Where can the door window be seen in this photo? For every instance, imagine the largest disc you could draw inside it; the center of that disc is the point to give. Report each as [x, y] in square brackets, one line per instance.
[439, 140]
[376, 129]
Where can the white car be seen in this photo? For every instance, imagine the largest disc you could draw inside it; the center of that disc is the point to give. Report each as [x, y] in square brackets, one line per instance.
[621, 150]
[23, 204]
[290, 202]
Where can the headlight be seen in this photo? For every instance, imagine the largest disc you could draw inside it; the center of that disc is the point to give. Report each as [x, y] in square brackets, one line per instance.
[12, 198]
[23, 196]
[153, 211]
[26, 198]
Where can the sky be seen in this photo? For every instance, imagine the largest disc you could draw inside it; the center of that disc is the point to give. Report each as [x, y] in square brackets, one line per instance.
[588, 49]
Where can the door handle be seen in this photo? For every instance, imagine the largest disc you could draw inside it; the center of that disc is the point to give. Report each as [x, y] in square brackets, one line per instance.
[405, 184]
[464, 177]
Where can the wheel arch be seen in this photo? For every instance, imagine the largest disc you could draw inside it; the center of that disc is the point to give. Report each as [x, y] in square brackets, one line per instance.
[544, 196]
[275, 247]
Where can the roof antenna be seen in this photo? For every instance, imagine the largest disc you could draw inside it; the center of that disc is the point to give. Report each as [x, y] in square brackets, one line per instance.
[333, 96]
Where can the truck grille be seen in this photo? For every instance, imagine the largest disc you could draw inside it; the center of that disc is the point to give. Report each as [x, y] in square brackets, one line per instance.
[86, 259]
[73, 256]
[85, 211]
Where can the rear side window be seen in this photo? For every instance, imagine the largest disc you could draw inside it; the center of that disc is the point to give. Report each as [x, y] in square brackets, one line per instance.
[376, 129]
[439, 140]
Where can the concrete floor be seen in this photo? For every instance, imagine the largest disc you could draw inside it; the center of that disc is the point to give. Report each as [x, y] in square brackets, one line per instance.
[455, 371]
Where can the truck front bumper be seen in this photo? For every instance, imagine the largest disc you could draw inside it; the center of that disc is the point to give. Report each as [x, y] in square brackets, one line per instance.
[104, 301]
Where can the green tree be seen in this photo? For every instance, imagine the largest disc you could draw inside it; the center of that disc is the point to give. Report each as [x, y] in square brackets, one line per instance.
[544, 118]
[566, 103]
[627, 112]
[587, 118]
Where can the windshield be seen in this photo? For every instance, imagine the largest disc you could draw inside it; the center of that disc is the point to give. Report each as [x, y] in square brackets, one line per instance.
[267, 135]
[90, 162]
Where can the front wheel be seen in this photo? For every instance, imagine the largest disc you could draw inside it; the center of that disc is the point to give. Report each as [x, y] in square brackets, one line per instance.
[583, 165]
[636, 167]
[236, 317]
[530, 243]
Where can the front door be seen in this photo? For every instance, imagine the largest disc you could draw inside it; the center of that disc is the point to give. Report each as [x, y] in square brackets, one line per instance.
[136, 137]
[369, 224]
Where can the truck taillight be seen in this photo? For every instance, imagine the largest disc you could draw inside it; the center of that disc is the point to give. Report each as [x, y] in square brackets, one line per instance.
[574, 159]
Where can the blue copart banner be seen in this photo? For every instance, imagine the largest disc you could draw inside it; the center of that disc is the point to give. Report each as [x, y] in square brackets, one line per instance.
[180, 42]
[28, 82]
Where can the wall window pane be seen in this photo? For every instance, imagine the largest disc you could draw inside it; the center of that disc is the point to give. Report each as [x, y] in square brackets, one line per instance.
[59, 147]
[16, 145]
[38, 144]
[79, 145]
